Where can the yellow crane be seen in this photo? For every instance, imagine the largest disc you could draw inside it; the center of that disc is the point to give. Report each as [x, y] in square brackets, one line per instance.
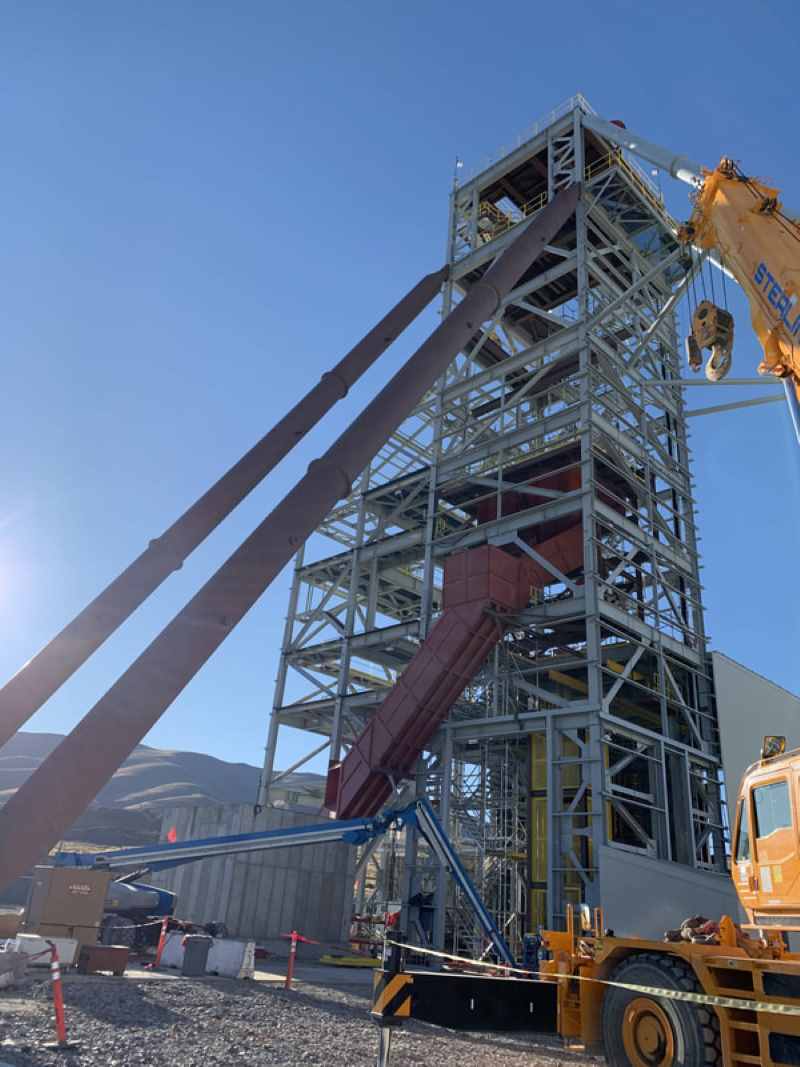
[715, 991]
[743, 219]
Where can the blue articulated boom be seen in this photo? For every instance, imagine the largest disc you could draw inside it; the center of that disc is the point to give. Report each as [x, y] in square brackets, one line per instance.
[434, 833]
[351, 831]
[168, 854]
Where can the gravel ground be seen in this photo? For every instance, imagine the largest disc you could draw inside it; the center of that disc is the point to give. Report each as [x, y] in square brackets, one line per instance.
[128, 1023]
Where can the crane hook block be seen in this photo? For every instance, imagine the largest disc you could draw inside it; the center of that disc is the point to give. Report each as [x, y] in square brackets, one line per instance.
[712, 328]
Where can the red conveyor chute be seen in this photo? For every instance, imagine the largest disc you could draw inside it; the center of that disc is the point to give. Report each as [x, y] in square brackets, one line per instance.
[388, 748]
[479, 584]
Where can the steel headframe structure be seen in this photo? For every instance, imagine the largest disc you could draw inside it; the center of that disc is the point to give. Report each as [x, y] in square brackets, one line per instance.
[591, 731]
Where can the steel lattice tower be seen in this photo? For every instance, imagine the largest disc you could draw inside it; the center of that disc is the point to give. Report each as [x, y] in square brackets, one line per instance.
[589, 739]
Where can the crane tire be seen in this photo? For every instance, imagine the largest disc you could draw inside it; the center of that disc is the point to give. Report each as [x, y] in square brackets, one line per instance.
[642, 1030]
[118, 930]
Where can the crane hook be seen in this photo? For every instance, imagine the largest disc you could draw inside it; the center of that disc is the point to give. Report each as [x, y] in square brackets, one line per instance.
[712, 328]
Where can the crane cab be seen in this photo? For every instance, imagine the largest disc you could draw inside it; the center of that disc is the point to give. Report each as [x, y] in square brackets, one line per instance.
[766, 843]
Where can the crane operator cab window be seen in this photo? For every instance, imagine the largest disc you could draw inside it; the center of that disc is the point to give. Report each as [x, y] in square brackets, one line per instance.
[772, 807]
[743, 840]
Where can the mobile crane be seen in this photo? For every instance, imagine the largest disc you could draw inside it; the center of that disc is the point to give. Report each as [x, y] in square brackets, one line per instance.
[759, 244]
[729, 993]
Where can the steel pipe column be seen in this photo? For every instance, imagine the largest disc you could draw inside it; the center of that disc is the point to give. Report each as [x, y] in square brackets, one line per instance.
[42, 675]
[64, 785]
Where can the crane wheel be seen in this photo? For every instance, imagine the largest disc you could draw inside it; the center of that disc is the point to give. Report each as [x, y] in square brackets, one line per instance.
[641, 1030]
[117, 930]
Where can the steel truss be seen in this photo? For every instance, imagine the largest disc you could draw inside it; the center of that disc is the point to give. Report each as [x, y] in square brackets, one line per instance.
[593, 723]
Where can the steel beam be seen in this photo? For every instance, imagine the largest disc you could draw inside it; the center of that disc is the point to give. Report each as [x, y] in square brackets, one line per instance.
[63, 786]
[47, 671]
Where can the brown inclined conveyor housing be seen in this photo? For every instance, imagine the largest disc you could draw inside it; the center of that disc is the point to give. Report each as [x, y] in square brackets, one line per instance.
[479, 585]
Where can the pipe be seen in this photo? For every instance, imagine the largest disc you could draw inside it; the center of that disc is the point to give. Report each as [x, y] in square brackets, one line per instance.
[47, 671]
[64, 785]
[790, 388]
[680, 167]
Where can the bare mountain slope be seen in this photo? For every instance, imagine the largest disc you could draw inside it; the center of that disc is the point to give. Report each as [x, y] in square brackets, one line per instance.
[154, 778]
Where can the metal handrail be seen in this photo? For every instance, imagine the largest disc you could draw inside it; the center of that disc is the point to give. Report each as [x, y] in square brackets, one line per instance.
[503, 221]
[578, 101]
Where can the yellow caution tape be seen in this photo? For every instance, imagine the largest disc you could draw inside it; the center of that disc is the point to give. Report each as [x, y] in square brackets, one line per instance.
[668, 994]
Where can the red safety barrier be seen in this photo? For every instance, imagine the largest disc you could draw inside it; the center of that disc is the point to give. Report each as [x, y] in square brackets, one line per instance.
[294, 937]
[61, 1043]
[162, 940]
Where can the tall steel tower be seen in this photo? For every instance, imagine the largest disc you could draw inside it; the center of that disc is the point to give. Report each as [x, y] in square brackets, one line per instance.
[584, 756]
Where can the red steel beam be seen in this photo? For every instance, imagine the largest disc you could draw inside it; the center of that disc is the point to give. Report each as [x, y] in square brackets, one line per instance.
[42, 675]
[63, 786]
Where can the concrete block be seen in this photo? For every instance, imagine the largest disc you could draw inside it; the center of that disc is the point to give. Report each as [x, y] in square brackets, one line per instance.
[32, 945]
[228, 957]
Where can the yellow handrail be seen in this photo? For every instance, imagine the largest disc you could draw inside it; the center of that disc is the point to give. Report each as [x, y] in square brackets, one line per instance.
[502, 221]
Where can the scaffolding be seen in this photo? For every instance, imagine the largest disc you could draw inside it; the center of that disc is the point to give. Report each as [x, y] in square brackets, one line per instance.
[592, 725]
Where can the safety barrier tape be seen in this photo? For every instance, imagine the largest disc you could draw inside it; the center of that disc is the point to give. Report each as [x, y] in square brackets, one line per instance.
[6, 941]
[135, 926]
[37, 955]
[668, 994]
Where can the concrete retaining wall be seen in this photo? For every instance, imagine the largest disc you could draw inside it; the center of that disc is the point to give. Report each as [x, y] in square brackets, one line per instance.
[261, 895]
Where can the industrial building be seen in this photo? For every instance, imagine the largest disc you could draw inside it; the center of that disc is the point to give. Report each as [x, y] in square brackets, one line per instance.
[586, 752]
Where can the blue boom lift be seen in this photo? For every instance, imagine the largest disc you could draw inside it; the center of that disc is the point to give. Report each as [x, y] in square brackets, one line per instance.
[419, 814]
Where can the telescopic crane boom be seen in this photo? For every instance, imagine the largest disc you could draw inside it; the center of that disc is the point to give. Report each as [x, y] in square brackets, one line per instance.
[758, 242]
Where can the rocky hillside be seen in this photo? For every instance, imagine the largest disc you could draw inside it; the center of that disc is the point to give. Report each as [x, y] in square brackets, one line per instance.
[126, 811]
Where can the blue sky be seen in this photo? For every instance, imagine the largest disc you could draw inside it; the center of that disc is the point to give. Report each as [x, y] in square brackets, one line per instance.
[205, 204]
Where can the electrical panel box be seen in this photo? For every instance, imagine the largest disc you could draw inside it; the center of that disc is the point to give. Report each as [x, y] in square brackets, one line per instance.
[65, 902]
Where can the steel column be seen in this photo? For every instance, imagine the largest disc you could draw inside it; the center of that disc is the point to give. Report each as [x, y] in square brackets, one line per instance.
[47, 671]
[64, 785]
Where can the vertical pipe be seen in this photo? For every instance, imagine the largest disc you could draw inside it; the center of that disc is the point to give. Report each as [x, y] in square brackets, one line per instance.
[794, 408]
[428, 570]
[384, 1046]
[290, 964]
[553, 805]
[440, 899]
[591, 751]
[72, 775]
[335, 754]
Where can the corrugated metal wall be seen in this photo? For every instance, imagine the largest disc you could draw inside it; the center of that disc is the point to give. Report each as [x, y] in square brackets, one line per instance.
[748, 707]
[261, 895]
